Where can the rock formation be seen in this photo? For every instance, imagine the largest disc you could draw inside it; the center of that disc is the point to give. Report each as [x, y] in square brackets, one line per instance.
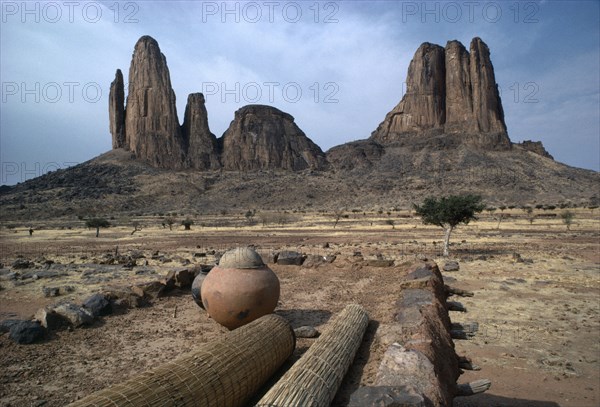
[450, 91]
[151, 124]
[263, 137]
[535, 147]
[199, 144]
[487, 107]
[423, 106]
[116, 111]
[357, 154]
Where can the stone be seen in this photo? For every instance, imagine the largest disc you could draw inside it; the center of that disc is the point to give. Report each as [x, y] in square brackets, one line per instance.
[199, 144]
[288, 258]
[116, 111]
[313, 261]
[386, 396]
[263, 137]
[149, 290]
[306, 332]
[402, 367]
[98, 305]
[181, 278]
[51, 291]
[22, 264]
[26, 332]
[49, 319]
[76, 315]
[7, 324]
[451, 266]
[124, 297]
[241, 258]
[152, 128]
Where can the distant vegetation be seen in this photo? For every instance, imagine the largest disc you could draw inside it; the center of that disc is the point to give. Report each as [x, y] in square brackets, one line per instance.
[97, 223]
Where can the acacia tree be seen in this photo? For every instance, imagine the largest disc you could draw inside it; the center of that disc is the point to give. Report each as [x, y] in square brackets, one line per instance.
[448, 212]
[567, 218]
[97, 223]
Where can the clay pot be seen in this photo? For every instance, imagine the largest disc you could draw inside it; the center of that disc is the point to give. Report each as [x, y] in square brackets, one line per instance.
[240, 289]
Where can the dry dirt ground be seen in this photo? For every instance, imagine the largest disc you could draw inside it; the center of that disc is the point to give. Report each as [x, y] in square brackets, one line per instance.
[539, 316]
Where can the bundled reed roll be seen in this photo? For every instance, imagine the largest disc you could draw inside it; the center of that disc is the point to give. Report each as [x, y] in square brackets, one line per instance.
[315, 378]
[221, 373]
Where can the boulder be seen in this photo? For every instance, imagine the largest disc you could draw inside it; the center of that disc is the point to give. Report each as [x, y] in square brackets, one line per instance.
[26, 332]
[22, 264]
[49, 319]
[181, 278]
[7, 324]
[451, 266]
[98, 305]
[290, 258]
[76, 315]
[149, 290]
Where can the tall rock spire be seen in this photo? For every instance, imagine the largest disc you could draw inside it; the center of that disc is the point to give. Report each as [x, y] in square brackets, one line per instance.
[423, 106]
[459, 99]
[151, 124]
[452, 91]
[116, 111]
[200, 145]
[487, 106]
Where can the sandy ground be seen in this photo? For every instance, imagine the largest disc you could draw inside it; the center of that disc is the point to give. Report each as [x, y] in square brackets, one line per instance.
[539, 319]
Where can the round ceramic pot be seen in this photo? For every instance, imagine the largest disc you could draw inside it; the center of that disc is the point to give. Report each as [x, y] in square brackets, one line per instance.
[240, 289]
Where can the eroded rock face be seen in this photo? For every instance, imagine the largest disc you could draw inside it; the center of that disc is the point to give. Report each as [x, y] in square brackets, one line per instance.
[487, 107]
[200, 145]
[116, 111]
[151, 123]
[449, 91]
[459, 99]
[263, 137]
[355, 155]
[423, 106]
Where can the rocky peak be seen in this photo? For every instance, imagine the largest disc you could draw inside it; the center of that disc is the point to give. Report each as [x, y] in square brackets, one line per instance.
[116, 111]
[451, 91]
[151, 123]
[263, 137]
[199, 144]
[535, 147]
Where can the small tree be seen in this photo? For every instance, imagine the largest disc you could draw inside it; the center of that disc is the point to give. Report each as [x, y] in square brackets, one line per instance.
[170, 221]
[337, 214]
[529, 214]
[250, 216]
[391, 223]
[448, 212]
[97, 223]
[187, 223]
[567, 218]
[136, 227]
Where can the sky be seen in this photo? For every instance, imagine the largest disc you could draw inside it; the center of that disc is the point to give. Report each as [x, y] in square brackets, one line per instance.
[338, 67]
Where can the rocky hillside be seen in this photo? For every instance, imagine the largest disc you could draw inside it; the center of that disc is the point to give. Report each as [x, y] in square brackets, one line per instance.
[446, 135]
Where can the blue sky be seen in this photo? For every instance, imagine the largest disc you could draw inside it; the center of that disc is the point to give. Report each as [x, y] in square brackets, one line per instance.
[337, 67]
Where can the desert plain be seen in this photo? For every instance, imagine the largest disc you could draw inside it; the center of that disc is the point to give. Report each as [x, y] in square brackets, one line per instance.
[536, 296]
